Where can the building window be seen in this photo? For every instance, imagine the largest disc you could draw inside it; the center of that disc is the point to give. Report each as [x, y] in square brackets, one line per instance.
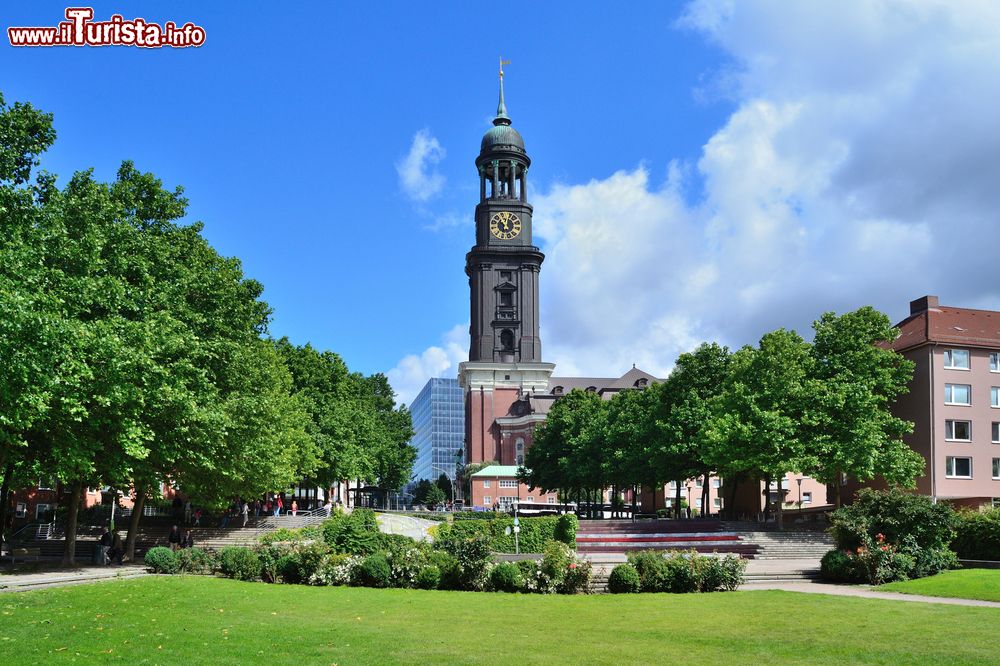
[550, 500]
[46, 484]
[996, 432]
[807, 497]
[995, 362]
[956, 359]
[505, 276]
[994, 397]
[487, 500]
[996, 468]
[21, 510]
[958, 468]
[958, 431]
[486, 483]
[507, 340]
[529, 498]
[44, 511]
[717, 503]
[506, 298]
[996, 502]
[520, 459]
[957, 394]
[508, 483]
[717, 483]
[558, 390]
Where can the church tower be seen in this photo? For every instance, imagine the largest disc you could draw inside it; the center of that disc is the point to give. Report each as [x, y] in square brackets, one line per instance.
[505, 351]
[503, 266]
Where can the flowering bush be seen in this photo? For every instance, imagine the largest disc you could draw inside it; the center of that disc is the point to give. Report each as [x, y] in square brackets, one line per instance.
[335, 569]
[577, 578]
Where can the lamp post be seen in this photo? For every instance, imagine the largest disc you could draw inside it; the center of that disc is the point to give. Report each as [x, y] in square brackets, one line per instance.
[799, 481]
[689, 500]
[445, 472]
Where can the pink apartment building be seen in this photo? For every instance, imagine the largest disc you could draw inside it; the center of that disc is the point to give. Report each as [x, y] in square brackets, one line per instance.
[954, 399]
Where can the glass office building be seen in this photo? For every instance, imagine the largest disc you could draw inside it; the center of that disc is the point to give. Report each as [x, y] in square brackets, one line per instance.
[439, 422]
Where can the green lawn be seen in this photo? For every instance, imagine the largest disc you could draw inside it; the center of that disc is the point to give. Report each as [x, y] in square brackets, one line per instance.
[198, 620]
[964, 583]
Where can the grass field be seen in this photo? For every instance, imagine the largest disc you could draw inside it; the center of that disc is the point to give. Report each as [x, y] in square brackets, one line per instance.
[198, 620]
[965, 584]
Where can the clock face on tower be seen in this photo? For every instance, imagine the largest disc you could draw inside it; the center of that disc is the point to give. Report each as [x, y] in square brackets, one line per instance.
[505, 225]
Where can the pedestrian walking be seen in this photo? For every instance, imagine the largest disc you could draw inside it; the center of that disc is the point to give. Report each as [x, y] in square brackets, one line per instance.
[197, 517]
[295, 508]
[174, 539]
[187, 541]
[278, 506]
[245, 512]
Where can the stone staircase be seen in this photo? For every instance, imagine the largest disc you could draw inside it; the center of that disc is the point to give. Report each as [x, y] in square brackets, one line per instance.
[789, 545]
[605, 537]
[156, 533]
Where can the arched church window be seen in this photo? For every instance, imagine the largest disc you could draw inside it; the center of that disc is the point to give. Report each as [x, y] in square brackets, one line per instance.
[507, 340]
[558, 390]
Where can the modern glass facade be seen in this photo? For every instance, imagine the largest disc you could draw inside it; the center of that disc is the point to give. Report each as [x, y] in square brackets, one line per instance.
[439, 422]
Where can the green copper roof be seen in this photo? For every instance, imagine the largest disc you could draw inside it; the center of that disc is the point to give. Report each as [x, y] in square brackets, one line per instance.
[497, 470]
[502, 135]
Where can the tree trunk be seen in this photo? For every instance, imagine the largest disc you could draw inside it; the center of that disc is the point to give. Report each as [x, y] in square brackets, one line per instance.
[730, 507]
[5, 498]
[705, 492]
[767, 497]
[133, 522]
[836, 491]
[69, 554]
[677, 500]
[635, 493]
[781, 504]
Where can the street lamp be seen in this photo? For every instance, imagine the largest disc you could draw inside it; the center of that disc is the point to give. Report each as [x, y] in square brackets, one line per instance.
[689, 500]
[445, 472]
[799, 481]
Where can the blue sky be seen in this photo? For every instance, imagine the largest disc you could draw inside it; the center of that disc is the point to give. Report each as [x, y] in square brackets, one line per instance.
[700, 171]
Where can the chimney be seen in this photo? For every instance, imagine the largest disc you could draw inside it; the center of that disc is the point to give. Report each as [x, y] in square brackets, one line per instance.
[923, 304]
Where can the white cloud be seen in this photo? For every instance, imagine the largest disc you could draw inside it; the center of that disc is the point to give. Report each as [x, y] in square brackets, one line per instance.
[859, 167]
[413, 371]
[417, 176]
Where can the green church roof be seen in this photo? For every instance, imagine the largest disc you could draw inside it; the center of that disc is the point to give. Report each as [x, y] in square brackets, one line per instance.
[497, 470]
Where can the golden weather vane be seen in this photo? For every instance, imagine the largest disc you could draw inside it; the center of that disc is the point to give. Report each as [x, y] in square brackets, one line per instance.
[502, 63]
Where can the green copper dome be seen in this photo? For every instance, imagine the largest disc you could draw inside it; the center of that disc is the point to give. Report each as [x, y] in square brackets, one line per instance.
[502, 137]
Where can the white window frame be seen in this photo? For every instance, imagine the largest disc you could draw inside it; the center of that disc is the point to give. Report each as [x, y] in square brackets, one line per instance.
[949, 359]
[550, 500]
[21, 510]
[717, 503]
[994, 361]
[507, 483]
[995, 396]
[949, 389]
[41, 487]
[486, 483]
[949, 467]
[529, 498]
[807, 497]
[48, 507]
[949, 430]
[487, 500]
[996, 469]
[716, 482]
[995, 432]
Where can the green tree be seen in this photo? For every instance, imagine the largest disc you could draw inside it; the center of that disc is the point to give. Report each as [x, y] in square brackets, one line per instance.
[444, 483]
[848, 423]
[757, 428]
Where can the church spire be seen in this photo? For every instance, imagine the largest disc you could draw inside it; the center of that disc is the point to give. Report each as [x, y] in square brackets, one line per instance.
[502, 117]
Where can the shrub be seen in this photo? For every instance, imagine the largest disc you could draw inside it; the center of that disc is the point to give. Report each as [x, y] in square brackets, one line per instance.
[355, 533]
[977, 535]
[447, 566]
[162, 560]
[893, 535]
[239, 563]
[506, 577]
[300, 563]
[555, 562]
[195, 561]
[734, 570]
[373, 571]
[428, 578]
[565, 529]
[896, 515]
[577, 577]
[686, 572]
[272, 560]
[474, 559]
[623, 579]
[839, 567]
[286, 535]
[333, 569]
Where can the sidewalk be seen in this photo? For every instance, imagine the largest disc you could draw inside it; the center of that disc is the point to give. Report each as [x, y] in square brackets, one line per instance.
[53, 577]
[862, 592]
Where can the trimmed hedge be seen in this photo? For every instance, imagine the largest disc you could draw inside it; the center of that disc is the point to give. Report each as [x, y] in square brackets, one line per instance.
[977, 535]
[536, 532]
[240, 563]
[624, 579]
